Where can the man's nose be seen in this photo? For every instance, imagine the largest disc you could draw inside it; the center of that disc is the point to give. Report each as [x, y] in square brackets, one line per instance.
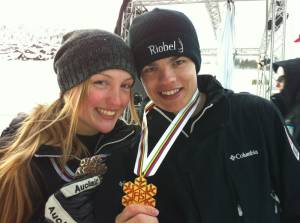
[167, 74]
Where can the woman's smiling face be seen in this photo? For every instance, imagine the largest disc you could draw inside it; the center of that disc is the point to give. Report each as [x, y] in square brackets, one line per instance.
[108, 95]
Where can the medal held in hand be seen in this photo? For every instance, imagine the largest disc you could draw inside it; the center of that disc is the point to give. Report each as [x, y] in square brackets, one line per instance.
[139, 192]
[91, 166]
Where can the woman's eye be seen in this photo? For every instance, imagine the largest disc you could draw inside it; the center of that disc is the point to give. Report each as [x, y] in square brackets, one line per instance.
[100, 83]
[127, 86]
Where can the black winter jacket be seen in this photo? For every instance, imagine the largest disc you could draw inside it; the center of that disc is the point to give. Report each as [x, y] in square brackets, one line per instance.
[232, 163]
[51, 177]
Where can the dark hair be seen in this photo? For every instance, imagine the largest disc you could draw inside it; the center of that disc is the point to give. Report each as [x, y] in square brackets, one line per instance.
[281, 78]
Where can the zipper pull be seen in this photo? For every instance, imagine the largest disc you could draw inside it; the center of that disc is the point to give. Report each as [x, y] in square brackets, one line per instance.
[240, 211]
[275, 197]
[277, 201]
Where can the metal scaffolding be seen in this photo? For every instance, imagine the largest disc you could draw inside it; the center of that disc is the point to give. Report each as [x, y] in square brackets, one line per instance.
[273, 39]
[272, 46]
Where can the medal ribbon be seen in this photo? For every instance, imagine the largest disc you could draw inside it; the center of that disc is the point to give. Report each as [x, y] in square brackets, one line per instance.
[147, 166]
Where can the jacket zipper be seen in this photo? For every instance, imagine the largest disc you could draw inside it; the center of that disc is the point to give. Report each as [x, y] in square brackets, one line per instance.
[202, 113]
[235, 194]
[113, 142]
[170, 120]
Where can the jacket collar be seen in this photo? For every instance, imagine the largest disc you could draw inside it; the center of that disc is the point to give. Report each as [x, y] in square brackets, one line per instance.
[48, 151]
[215, 94]
[213, 89]
[121, 131]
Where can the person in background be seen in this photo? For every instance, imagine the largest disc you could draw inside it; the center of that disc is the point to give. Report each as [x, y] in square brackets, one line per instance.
[41, 150]
[280, 82]
[277, 98]
[213, 155]
[288, 99]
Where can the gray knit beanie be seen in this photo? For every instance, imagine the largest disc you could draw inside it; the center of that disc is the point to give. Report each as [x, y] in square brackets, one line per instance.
[87, 52]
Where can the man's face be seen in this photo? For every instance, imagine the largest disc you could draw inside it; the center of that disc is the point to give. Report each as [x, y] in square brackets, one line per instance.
[170, 82]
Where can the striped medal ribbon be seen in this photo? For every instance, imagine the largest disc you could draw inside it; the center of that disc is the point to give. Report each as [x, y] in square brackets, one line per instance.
[140, 192]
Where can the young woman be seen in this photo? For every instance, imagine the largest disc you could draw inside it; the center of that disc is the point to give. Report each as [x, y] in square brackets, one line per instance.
[95, 73]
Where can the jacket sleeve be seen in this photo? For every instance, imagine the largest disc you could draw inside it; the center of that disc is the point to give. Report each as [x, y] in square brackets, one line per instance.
[14, 124]
[284, 164]
[8, 133]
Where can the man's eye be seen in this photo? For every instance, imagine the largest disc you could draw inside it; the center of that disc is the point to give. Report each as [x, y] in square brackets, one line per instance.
[179, 62]
[148, 70]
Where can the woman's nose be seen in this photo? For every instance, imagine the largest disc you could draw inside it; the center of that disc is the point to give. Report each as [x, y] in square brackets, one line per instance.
[118, 98]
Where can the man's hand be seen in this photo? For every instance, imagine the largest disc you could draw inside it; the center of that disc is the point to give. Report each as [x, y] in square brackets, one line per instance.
[138, 214]
[73, 203]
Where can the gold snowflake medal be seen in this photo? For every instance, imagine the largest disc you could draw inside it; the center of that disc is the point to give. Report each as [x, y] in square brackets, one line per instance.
[139, 192]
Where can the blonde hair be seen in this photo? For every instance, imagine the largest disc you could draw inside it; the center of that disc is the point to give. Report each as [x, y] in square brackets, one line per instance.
[134, 117]
[53, 125]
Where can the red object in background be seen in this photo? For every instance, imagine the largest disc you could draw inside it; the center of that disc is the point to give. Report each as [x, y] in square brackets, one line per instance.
[297, 40]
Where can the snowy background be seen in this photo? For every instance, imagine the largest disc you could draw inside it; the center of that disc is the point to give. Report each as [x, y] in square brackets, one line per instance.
[30, 28]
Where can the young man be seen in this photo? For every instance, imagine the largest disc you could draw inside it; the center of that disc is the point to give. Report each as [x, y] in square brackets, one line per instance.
[205, 154]
[231, 160]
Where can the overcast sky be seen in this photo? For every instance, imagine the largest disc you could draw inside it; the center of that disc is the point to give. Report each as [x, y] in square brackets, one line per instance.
[61, 13]
[70, 14]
